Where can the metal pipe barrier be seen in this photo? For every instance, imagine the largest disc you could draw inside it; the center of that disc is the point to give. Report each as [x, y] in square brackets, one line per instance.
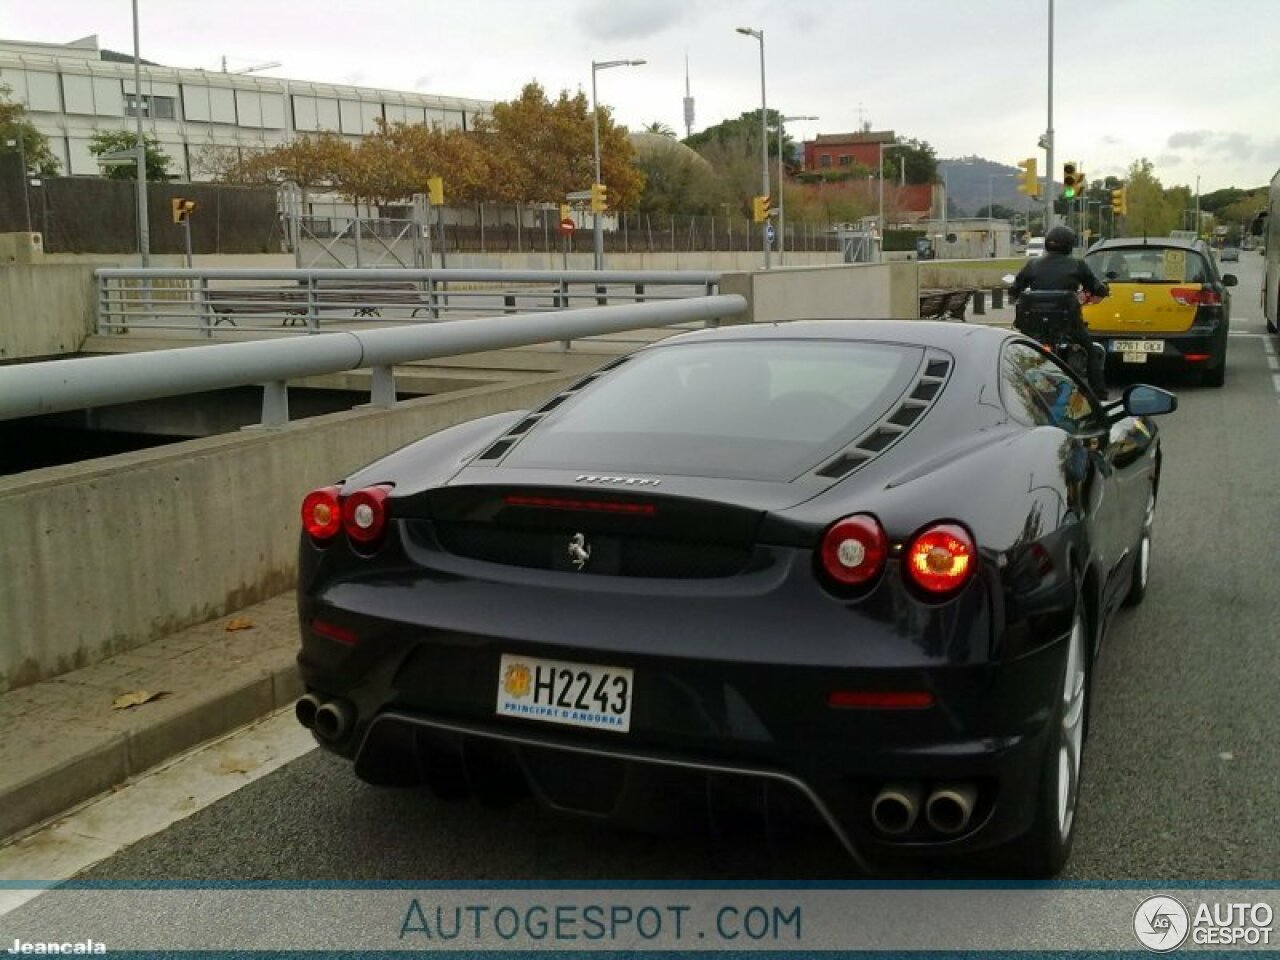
[302, 301]
[55, 386]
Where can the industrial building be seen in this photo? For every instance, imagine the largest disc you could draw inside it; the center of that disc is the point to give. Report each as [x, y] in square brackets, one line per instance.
[75, 90]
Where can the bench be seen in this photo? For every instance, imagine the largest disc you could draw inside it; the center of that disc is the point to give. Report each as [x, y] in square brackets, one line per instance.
[944, 304]
[365, 297]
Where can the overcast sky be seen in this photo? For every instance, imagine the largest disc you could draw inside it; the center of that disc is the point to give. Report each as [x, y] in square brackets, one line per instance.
[1190, 84]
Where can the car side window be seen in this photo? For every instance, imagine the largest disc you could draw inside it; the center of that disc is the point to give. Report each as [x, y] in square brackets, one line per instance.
[1038, 390]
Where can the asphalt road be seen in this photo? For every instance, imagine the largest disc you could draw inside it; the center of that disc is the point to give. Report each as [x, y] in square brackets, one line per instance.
[1182, 774]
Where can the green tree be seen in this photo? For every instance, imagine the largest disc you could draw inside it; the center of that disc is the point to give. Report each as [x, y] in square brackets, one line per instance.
[660, 128]
[921, 163]
[1149, 212]
[15, 126]
[744, 132]
[677, 180]
[112, 141]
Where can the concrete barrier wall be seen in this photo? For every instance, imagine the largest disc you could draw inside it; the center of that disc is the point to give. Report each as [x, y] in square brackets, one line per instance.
[99, 557]
[983, 274]
[46, 310]
[861, 291]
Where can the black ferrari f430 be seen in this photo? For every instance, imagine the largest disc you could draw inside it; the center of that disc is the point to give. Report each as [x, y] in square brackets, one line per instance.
[855, 570]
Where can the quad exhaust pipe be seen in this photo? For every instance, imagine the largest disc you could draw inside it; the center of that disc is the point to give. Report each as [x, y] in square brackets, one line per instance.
[950, 808]
[896, 808]
[329, 720]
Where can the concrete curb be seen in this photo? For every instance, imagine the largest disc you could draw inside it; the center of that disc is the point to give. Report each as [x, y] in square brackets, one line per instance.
[66, 744]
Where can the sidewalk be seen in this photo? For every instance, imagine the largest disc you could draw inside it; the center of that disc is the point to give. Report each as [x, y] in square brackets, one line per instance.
[64, 741]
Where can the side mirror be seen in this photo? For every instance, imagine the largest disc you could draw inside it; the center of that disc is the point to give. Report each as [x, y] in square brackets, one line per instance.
[1141, 400]
[1258, 225]
[1229, 280]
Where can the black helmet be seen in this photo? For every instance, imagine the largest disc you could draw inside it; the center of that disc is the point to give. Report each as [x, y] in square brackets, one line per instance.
[1060, 239]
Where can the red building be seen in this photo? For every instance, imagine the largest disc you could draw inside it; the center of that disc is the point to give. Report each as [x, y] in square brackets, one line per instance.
[831, 151]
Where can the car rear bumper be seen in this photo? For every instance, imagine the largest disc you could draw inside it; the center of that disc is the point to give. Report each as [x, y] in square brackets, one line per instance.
[1196, 350]
[704, 724]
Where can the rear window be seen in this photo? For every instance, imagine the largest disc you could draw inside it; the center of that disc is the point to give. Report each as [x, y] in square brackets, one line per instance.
[761, 410]
[1149, 265]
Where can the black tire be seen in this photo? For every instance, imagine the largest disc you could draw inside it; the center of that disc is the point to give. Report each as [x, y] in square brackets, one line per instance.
[1216, 376]
[1142, 556]
[1043, 851]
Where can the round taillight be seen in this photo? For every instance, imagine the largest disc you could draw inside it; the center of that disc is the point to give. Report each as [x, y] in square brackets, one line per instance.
[941, 559]
[853, 550]
[322, 514]
[364, 514]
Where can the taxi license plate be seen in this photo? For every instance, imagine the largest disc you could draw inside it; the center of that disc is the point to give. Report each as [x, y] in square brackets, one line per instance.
[1138, 346]
[574, 694]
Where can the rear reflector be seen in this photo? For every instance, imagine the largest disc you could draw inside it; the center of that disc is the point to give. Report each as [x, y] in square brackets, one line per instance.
[585, 506]
[881, 699]
[941, 559]
[321, 514]
[1196, 357]
[335, 632]
[853, 550]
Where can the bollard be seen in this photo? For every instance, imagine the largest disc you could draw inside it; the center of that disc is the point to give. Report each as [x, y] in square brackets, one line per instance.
[979, 303]
[509, 302]
[997, 298]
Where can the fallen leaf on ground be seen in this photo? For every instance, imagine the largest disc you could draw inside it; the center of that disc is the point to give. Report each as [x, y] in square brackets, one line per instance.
[236, 765]
[239, 623]
[136, 698]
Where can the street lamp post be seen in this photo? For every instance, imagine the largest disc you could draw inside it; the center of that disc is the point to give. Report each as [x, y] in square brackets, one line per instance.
[597, 226]
[144, 230]
[991, 203]
[880, 177]
[764, 141]
[782, 225]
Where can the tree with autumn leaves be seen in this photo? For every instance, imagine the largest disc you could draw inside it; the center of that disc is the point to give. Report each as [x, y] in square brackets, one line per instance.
[530, 150]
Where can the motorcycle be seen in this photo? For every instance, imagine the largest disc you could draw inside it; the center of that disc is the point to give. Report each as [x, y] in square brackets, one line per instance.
[1047, 316]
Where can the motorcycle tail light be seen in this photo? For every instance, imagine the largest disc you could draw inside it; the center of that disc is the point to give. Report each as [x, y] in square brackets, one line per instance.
[853, 550]
[941, 558]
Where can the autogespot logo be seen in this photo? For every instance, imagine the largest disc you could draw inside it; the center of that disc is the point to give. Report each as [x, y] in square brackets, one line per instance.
[1161, 924]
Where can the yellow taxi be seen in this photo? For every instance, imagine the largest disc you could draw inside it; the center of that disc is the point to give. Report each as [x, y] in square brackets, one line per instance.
[1169, 306]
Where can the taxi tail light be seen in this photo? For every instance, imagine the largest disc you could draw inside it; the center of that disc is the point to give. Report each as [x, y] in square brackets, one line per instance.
[853, 550]
[1196, 357]
[322, 514]
[364, 514]
[1196, 296]
[941, 558]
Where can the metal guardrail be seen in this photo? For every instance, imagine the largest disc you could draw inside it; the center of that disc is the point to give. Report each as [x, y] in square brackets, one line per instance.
[32, 389]
[304, 301]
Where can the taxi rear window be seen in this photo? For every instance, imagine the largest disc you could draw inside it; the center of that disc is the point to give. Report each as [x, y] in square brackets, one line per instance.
[1149, 265]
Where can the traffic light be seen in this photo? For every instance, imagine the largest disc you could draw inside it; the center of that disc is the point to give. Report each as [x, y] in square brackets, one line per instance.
[1069, 178]
[599, 198]
[1119, 202]
[565, 212]
[182, 209]
[435, 191]
[759, 209]
[1029, 182]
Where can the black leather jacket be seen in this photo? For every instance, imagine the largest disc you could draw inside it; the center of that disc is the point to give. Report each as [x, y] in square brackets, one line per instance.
[1058, 271]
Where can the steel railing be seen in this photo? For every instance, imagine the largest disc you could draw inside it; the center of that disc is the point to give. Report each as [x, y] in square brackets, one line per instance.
[55, 386]
[306, 301]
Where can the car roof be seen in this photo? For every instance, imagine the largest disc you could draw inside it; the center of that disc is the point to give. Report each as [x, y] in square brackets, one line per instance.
[953, 337]
[1159, 242]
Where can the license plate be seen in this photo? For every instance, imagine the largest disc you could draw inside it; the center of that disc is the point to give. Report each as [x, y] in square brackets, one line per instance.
[555, 691]
[1130, 357]
[1138, 346]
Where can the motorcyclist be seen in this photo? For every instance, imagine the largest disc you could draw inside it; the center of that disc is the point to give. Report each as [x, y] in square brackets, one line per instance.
[1057, 269]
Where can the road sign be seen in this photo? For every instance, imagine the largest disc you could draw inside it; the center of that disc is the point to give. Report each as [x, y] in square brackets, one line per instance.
[567, 226]
[770, 233]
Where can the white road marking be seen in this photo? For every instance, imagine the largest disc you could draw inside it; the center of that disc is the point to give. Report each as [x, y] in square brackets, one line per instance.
[1273, 362]
[103, 827]
[1275, 379]
[1269, 347]
[1245, 334]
